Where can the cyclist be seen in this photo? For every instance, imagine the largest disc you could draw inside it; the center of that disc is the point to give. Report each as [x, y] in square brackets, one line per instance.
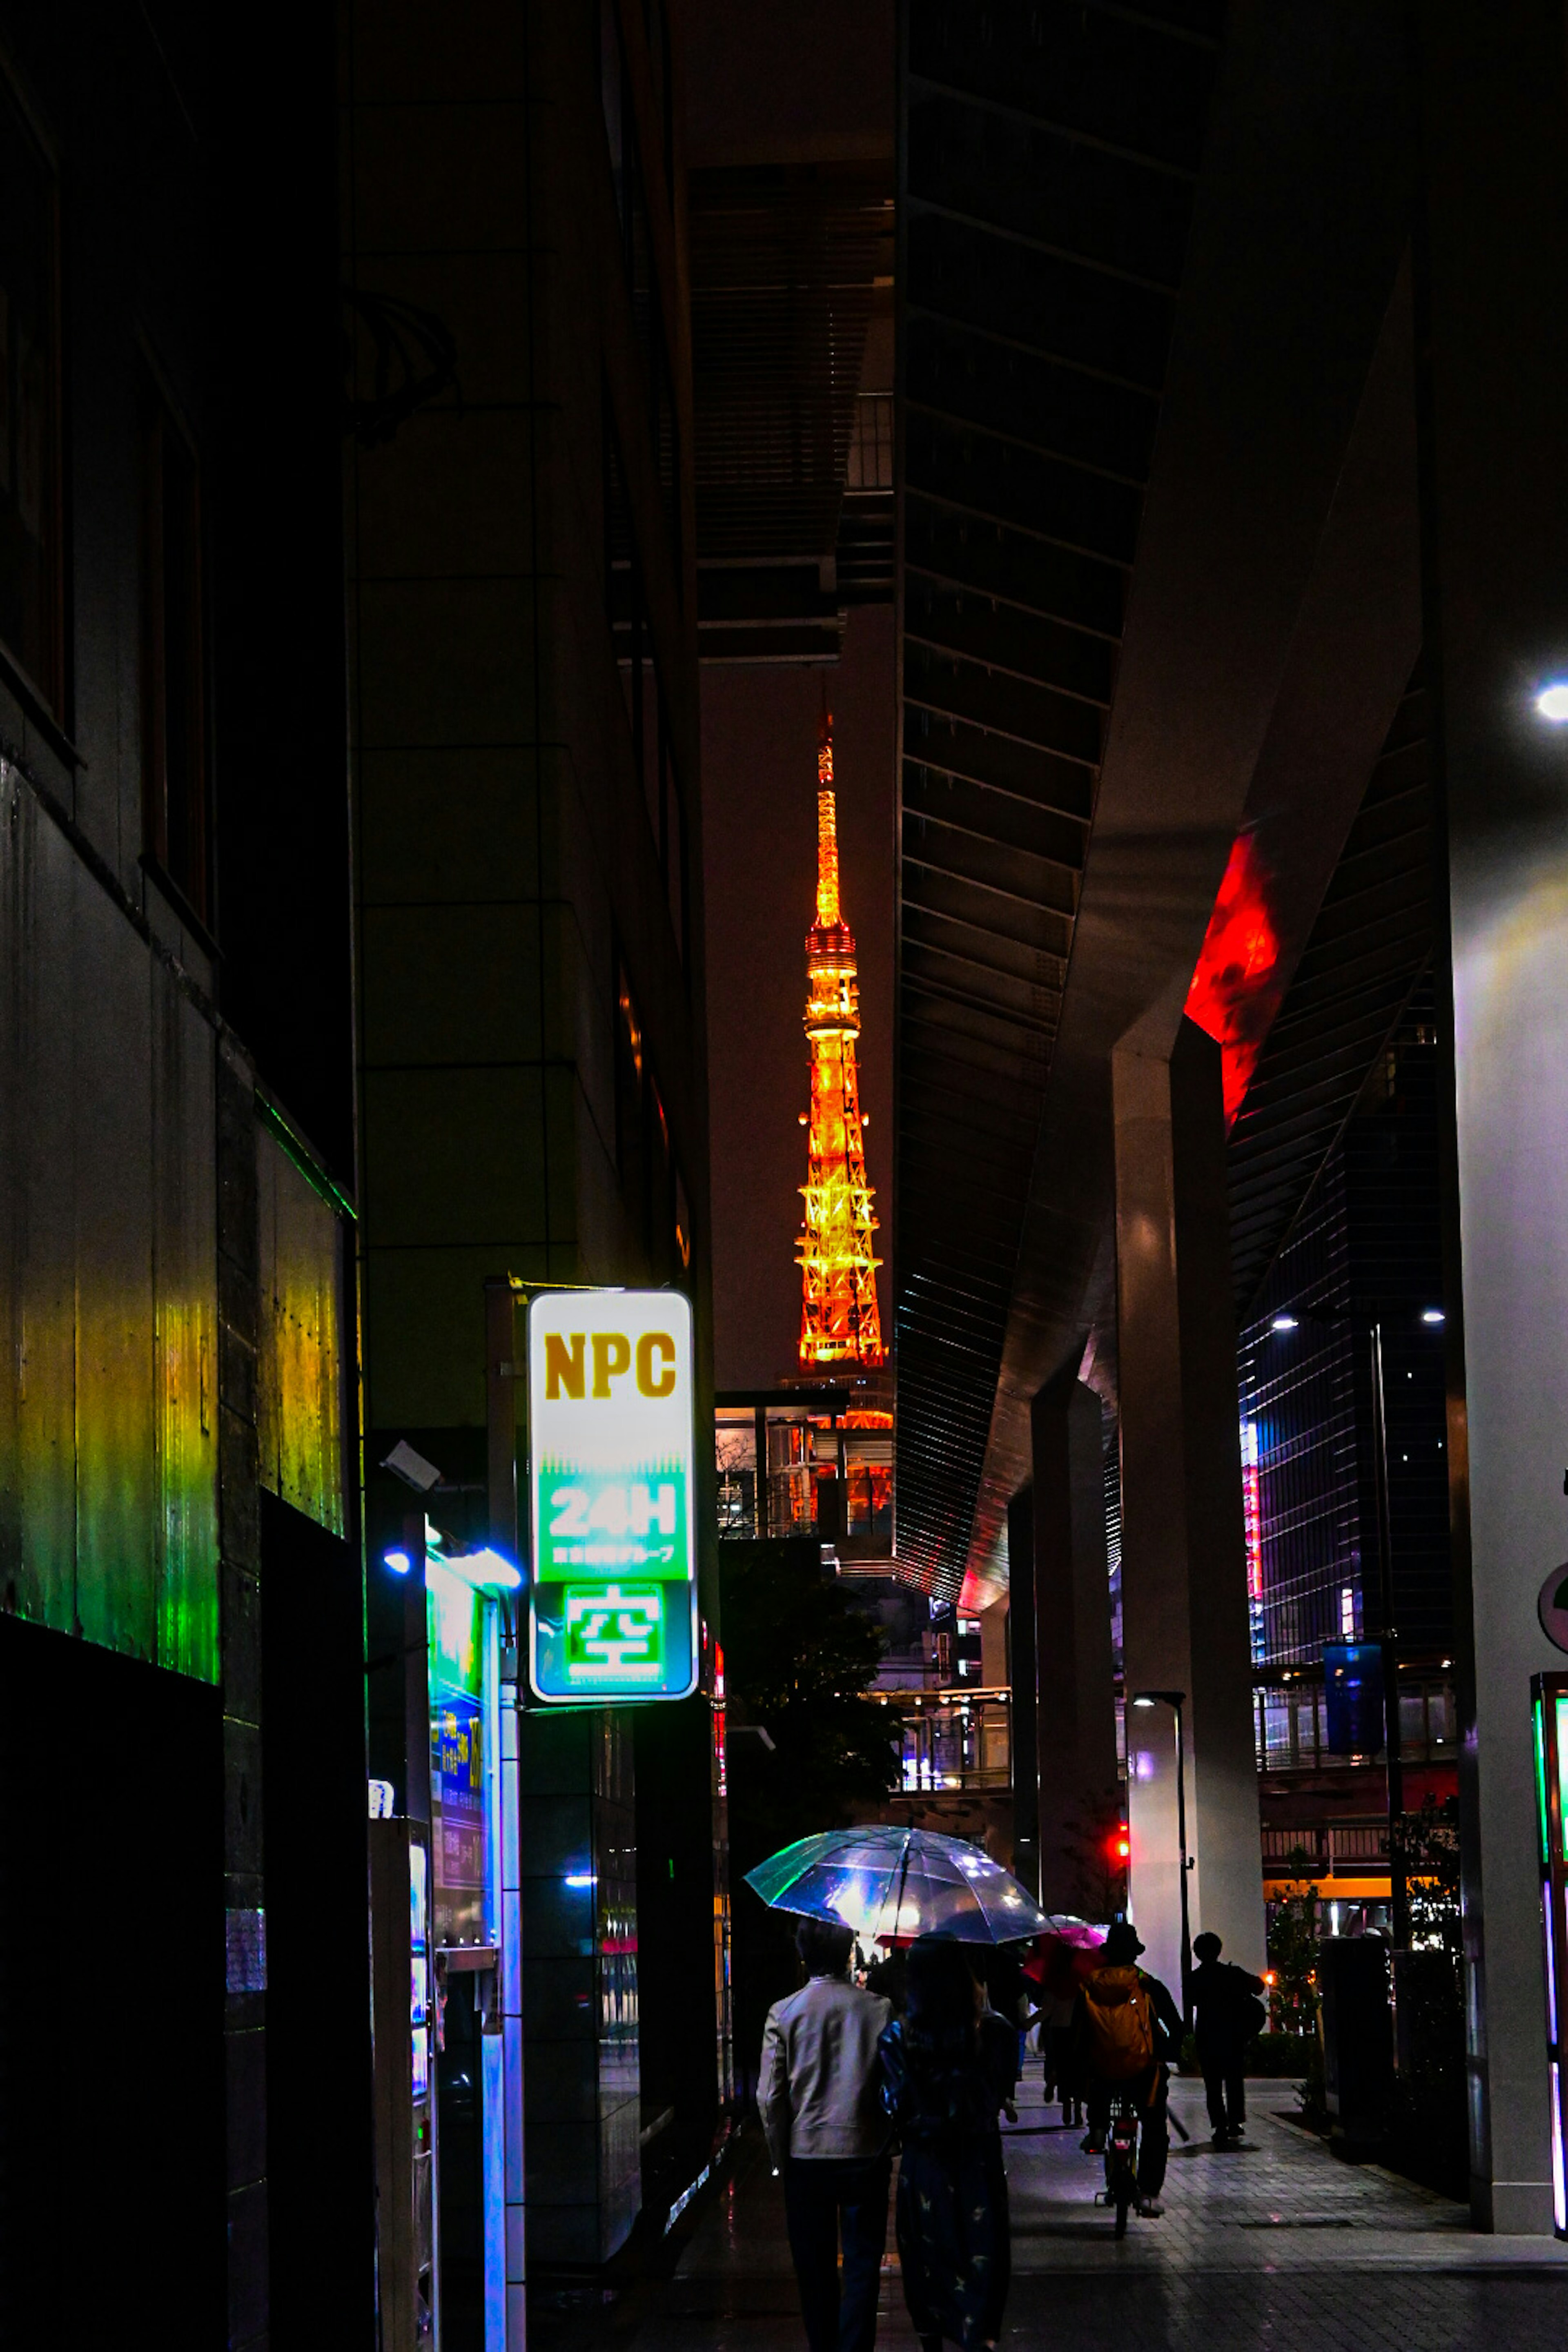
[1127, 2026]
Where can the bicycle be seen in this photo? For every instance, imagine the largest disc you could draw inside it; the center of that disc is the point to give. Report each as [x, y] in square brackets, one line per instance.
[1121, 2160]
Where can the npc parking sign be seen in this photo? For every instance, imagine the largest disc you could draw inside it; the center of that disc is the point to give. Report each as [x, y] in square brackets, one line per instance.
[613, 1593]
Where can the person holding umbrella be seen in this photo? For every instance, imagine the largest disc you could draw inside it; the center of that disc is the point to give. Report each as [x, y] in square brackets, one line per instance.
[947, 2073]
[817, 2096]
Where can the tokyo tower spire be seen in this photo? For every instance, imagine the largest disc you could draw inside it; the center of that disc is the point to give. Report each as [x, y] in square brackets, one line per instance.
[839, 1320]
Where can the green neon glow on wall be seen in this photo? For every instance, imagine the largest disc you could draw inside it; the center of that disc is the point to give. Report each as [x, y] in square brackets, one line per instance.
[299, 1354]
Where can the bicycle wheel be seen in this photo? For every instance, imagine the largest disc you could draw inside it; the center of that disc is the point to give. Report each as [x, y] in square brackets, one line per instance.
[1122, 2201]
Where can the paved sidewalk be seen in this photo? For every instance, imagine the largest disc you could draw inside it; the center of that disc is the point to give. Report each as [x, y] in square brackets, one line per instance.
[1266, 2249]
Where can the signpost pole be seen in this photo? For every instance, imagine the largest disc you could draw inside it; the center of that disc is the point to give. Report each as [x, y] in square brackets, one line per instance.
[1399, 1895]
[500, 1385]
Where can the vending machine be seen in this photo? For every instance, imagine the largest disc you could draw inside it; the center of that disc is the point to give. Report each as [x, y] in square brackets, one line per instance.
[1549, 1695]
[462, 1658]
[402, 1992]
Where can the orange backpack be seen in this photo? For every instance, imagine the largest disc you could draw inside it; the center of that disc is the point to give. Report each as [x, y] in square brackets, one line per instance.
[1120, 2024]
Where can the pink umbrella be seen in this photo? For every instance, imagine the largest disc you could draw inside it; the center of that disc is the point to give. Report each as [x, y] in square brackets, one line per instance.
[1064, 1955]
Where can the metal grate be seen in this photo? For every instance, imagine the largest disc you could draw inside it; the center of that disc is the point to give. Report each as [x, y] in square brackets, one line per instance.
[1048, 159]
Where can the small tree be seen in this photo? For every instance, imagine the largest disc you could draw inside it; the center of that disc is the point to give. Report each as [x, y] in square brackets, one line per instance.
[1427, 1845]
[1293, 1952]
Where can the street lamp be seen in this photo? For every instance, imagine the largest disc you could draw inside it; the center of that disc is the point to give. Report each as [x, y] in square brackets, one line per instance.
[1175, 1700]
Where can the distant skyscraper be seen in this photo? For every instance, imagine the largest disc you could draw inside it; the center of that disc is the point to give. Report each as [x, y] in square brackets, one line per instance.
[839, 1320]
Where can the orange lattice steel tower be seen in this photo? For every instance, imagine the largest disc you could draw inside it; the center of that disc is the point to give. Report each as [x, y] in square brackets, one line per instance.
[839, 1320]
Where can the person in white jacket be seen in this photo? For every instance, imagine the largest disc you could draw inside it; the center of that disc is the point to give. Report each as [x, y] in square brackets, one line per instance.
[818, 2095]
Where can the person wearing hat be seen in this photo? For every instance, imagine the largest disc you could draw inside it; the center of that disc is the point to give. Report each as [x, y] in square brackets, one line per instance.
[1127, 2027]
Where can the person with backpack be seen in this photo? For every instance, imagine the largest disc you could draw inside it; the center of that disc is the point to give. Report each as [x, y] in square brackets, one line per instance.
[1227, 2014]
[1127, 2026]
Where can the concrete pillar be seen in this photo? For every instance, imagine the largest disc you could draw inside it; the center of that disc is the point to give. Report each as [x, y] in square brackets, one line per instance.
[1021, 1649]
[994, 1670]
[1076, 1736]
[1184, 1575]
[1492, 338]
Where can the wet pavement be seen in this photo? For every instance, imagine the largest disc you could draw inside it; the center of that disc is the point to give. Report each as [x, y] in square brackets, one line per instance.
[1277, 2244]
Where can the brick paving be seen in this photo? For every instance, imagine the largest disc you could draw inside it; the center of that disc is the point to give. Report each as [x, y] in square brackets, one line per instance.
[1276, 2245]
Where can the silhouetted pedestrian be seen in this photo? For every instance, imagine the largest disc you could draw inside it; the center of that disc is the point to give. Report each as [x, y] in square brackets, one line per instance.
[946, 2071]
[1227, 2013]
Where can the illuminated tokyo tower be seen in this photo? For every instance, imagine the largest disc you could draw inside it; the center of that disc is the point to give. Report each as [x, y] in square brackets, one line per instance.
[839, 1321]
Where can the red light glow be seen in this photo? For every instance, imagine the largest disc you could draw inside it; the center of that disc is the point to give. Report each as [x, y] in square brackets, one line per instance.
[1234, 993]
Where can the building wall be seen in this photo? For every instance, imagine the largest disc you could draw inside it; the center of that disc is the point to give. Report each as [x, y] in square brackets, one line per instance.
[1366, 1246]
[532, 1056]
[131, 1570]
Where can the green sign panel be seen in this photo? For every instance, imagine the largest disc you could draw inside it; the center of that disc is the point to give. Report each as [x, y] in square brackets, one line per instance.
[613, 1594]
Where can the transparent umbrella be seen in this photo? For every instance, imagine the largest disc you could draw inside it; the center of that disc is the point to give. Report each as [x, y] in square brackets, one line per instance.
[889, 1883]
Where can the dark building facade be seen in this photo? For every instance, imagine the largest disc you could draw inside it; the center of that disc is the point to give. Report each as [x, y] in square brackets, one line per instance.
[181, 1687]
[1366, 1256]
[523, 604]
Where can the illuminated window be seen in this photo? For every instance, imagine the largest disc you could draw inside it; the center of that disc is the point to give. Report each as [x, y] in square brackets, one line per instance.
[871, 448]
[1347, 1612]
[31, 610]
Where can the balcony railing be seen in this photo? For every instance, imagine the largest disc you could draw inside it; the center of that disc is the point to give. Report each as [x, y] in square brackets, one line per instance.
[953, 1742]
[1291, 1726]
[1326, 1849]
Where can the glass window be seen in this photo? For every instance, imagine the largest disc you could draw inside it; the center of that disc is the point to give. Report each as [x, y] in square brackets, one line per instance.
[31, 615]
[1277, 1730]
[173, 756]
[652, 755]
[871, 449]
[1413, 1722]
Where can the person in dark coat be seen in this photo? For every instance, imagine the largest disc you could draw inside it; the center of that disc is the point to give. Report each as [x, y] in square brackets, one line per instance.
[1054, 2015]
[948, 2065]
[1227, 2010]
